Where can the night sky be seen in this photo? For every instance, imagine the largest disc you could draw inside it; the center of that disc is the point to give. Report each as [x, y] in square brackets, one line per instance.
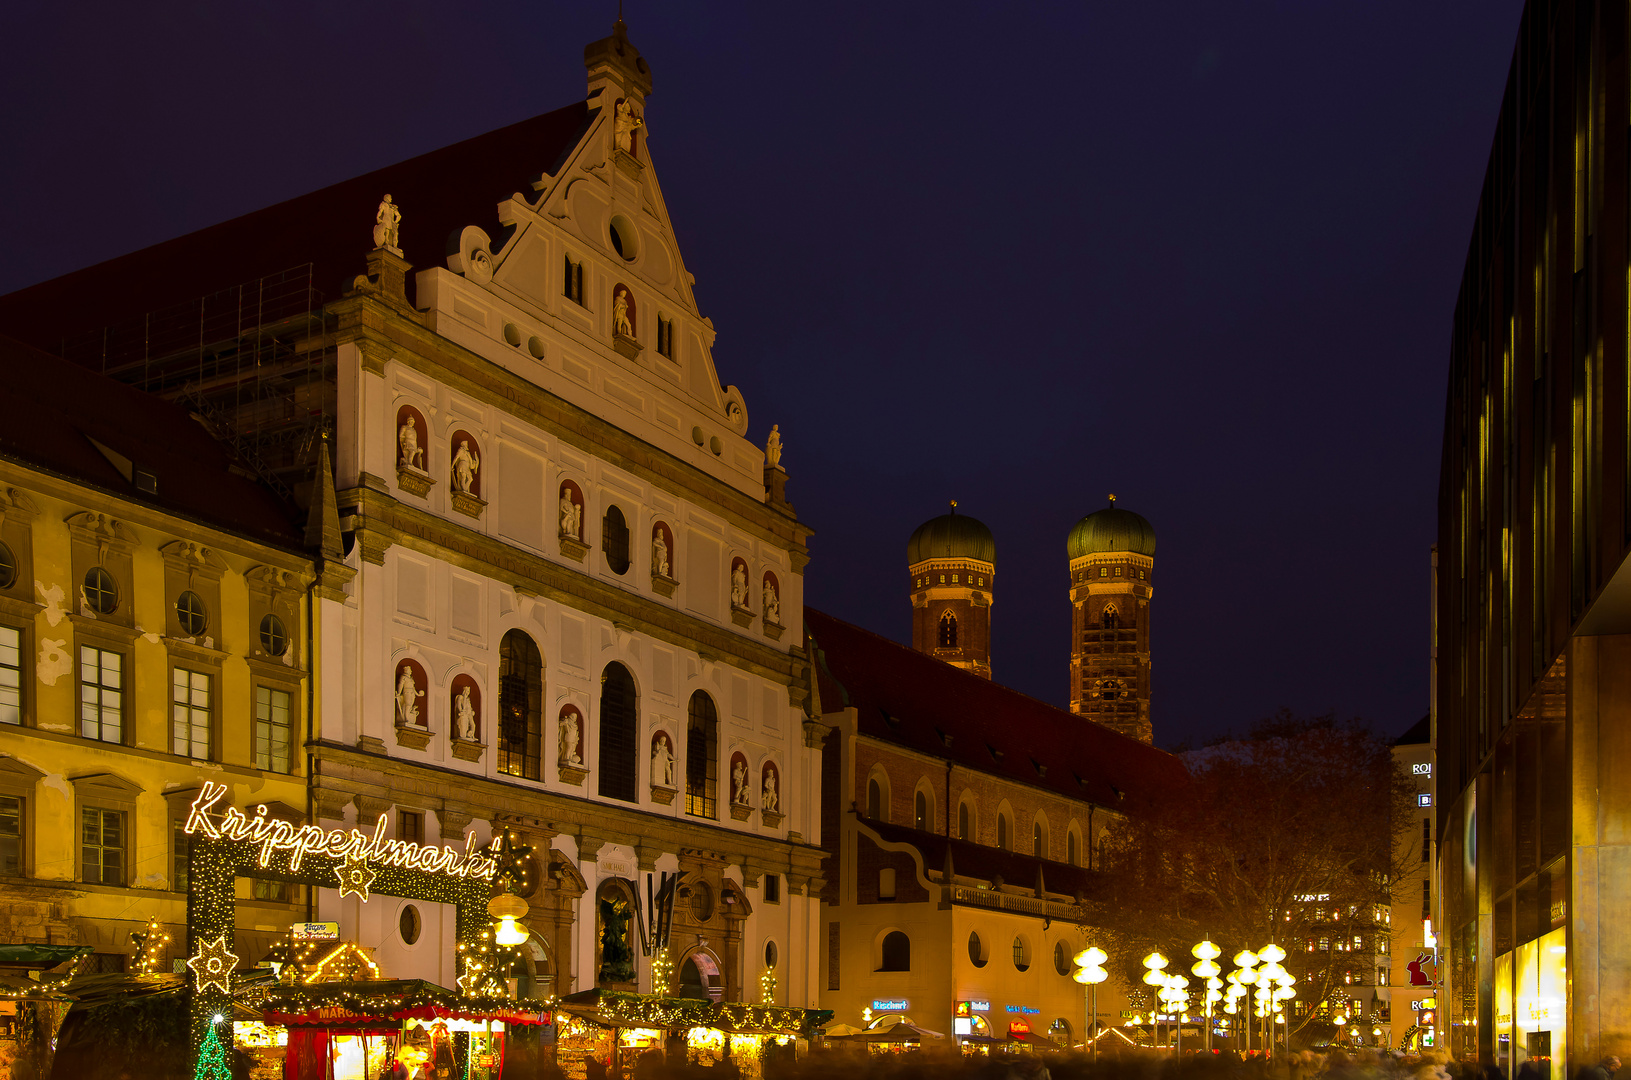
[1201, 255]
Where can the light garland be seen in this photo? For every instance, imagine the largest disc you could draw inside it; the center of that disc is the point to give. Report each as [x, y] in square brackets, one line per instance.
[150, 943]
[767, 987]
[355, 875]
[213, 965]
[662, 972]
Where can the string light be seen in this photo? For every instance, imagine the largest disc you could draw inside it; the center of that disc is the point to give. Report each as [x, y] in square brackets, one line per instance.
[150, 943]
[213, 965]
[767, 987]
[355, 876]
[662, 972]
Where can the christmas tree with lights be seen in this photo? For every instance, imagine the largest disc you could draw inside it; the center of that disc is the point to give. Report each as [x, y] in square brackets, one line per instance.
[212, 1059]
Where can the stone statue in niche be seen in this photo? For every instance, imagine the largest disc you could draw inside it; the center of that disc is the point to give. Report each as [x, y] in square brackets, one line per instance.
[739, 586]
[739, 783]
[388, 222]
[773, 446]
[407, 441]
[407, 698]
[772, 602]
[659, 554]
[571, 514]
[620, 313]
[770, 796]
[466, 466]
[464, 716]
[569, 739]
[624, 124]
[662, 762]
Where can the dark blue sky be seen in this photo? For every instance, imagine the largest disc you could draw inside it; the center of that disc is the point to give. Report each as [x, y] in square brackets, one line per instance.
[1021, 255]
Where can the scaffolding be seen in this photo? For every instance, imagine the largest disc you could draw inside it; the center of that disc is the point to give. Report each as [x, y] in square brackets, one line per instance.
[254, 364]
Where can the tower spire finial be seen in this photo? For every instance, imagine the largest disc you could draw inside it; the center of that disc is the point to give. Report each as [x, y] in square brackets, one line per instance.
[954, 506]
[1112, 498]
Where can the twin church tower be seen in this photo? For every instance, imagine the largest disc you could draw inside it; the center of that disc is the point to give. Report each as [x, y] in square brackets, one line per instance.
[953, 563]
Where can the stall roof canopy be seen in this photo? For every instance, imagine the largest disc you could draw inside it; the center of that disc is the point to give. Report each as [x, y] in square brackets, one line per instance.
[615, 1008]
[389, 1001]
[39, 957]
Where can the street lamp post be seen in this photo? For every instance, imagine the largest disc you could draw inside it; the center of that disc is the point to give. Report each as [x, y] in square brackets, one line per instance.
[1245, 978]
[1206, 968]
[1271, 977]
[1156, 981]
[1090, 973]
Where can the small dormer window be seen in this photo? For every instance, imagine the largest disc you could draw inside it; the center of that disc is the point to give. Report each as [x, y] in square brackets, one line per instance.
[1104, 571]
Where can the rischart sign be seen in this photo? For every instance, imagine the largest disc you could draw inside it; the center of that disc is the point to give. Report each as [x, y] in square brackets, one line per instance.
[273, 834]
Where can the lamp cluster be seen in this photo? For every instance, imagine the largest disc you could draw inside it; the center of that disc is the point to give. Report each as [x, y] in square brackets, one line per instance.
[150, 943]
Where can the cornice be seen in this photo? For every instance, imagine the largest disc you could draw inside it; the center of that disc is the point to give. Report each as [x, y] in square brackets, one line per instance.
[381, 520]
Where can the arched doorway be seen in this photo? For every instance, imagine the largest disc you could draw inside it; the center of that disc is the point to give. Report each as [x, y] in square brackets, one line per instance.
[700, 977]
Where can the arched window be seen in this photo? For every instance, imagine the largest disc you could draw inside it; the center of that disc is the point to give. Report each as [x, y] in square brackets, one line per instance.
[874, 799]
[1022, 954]
[963, 830]
[702, 757]
[1111, 617]
[920, 811]
[520, 697]
[614, 540]
[1039, 840]
[948, 631]
[1109, 689]
[1002, 831]
[1073, 853]
[619, 727]
[897, 952]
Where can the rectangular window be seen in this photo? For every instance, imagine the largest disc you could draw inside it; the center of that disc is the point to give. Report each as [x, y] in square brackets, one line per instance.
[410, 826]
[102, 846]
[276, 891]
[181, 849]
[832, 956]
[1426, 840]
[1426, 900]
[11, 675]
[101, 694]
[773, 889]
[665, 337]
[1381, 976]
[271, 729]
[1104, 571]
[572, 285]
[1118, 571]
[11, 836]
[190, 714]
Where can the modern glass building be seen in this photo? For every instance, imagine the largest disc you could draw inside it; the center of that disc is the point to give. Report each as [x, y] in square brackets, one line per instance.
[1532, 615]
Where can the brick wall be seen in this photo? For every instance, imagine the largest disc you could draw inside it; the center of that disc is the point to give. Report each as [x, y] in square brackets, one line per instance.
[870, 858]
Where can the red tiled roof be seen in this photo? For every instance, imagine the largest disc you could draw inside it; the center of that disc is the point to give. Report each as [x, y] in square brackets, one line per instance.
[51, 411]
[915, 701]
[971, 860]
[331, 228]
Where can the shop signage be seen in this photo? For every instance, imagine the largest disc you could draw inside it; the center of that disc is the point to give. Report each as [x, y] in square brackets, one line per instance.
[272, 834]
[978, 1006]
[890, 1004]
[1422, 770]
[315, 931]
[1018, 1027]
[1024, 1009]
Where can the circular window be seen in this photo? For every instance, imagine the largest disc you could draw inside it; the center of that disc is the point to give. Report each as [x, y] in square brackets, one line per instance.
[190, 610]
[702, 902]
[101, 593]
[274, 639]
[625, 241]
[8, 568]
[1061, 959]
[770, 955]
[976, 950]
[1022, 955]
[411, 924]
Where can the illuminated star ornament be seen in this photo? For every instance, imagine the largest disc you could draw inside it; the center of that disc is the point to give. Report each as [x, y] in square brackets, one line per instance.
[355, 876]
[213, 965]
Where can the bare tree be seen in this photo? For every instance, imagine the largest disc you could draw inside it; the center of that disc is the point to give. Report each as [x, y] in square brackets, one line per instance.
[1290, 835]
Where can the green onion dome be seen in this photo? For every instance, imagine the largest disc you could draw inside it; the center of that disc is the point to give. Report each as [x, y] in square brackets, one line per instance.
[1111, 529]
[951, 536]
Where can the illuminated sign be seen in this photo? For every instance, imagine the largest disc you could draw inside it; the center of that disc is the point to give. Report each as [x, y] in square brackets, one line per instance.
[1024, 1009]
[1424, 800]
[978, 1006]
[890, 1005]
[1422, 770]
[1018, 1027]
[315, 931]
[962, 1025]
[273, 834]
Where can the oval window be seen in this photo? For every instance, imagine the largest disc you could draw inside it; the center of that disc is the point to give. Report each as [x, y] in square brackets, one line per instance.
[274, 640]
[101, 593]
[1061, 960]
[976, 950]
[770, 955]
[1022, 955]
[191, 614]
[410, 924]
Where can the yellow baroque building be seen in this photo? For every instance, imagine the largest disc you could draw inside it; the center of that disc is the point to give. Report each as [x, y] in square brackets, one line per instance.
[153, 606]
